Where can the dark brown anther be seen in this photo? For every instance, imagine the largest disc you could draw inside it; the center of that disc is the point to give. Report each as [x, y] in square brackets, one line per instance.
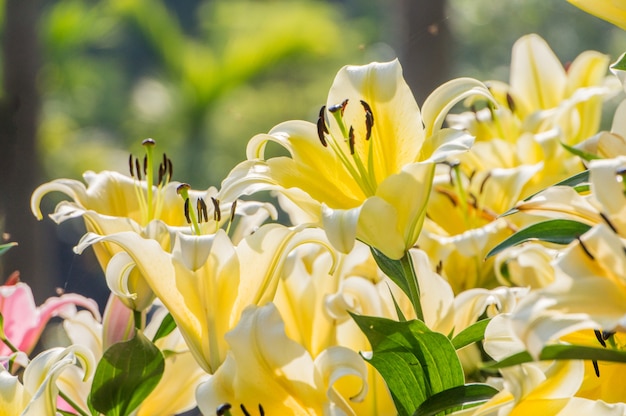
[161, 173]
[170, 170]
[244, 410]
[233, 207]
[138, 169]
[145, 165]
[222, 409]
[482, 185]
[130, 166]
[148, 142]
[510, 102]
[351, 140]
[608, 222]
[217, 213]
[164, 159]
[261, 410]
[600, 338]
[187, 217]
[587, 252]
[607, 334]
[339, 107]
[369, 119]
[439, 267]
[322, 130]
[596, 369]
[203, 216]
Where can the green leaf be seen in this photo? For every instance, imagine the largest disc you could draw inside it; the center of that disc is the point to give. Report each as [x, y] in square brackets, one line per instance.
[166, 327]
[573, 181]
[580, 153]
[392, 268]
[559, 231]
[620, 65]
[471, 334]
[455, 398]
[6, 247]
[415, 362]
[126, 374]
[564, 352]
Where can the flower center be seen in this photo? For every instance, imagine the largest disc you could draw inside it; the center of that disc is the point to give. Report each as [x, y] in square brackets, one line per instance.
[345, 146]
[200, 215]
[150, 199]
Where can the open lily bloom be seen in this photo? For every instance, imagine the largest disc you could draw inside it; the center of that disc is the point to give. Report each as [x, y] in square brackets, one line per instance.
[38, 394]
[370, 156]
[24, 321]
[265, 368]
[594, 266]
[175, 392]
[110, 203]
[543, 105]
[546, 387]
[205, 282]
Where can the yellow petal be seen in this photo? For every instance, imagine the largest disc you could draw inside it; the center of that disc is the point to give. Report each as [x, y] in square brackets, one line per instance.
[613, 11]
[538, 79]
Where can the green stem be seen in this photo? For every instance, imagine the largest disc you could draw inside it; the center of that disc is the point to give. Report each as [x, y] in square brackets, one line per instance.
[138, 318]
[73, 404]
[412, 284]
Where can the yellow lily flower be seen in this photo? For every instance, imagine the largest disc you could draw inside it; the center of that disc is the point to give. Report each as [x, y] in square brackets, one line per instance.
[604, 204]
[205, 282]
[548, 387]
[355, 166]
[38, 394]
[593, 266]
[314, 305]
[613, 11]
[175, 392]
[266, 369]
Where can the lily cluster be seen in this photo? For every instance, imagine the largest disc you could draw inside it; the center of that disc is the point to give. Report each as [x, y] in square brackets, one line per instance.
[466, 257]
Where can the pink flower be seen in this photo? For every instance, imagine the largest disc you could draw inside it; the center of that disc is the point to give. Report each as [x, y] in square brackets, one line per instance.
[24, 321]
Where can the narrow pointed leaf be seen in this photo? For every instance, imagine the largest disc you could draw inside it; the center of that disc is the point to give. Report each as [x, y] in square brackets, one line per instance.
[471, 334]
[580, 153]
[574, 181]
[166, 327]
[415, 362]
[564, 352]
[454, 398]
[6, 247]
[126, 374]
[392, 268]
[620, 65]
[559, 231]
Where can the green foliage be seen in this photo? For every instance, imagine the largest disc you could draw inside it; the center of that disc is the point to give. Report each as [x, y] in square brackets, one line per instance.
[563, 352]
[471, 334]
[455, 397]
[6, 247]
[415, 362]
[166, 327]
[126, 374]
[559, 231]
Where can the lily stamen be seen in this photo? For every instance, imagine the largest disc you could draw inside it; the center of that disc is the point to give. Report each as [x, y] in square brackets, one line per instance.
[322, 130]
[190, 215]
[202, 211]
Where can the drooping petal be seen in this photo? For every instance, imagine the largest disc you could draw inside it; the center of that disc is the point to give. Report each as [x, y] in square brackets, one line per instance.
[41, 374]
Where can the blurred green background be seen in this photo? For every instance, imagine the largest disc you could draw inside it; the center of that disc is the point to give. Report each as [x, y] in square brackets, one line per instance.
[84, 81]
